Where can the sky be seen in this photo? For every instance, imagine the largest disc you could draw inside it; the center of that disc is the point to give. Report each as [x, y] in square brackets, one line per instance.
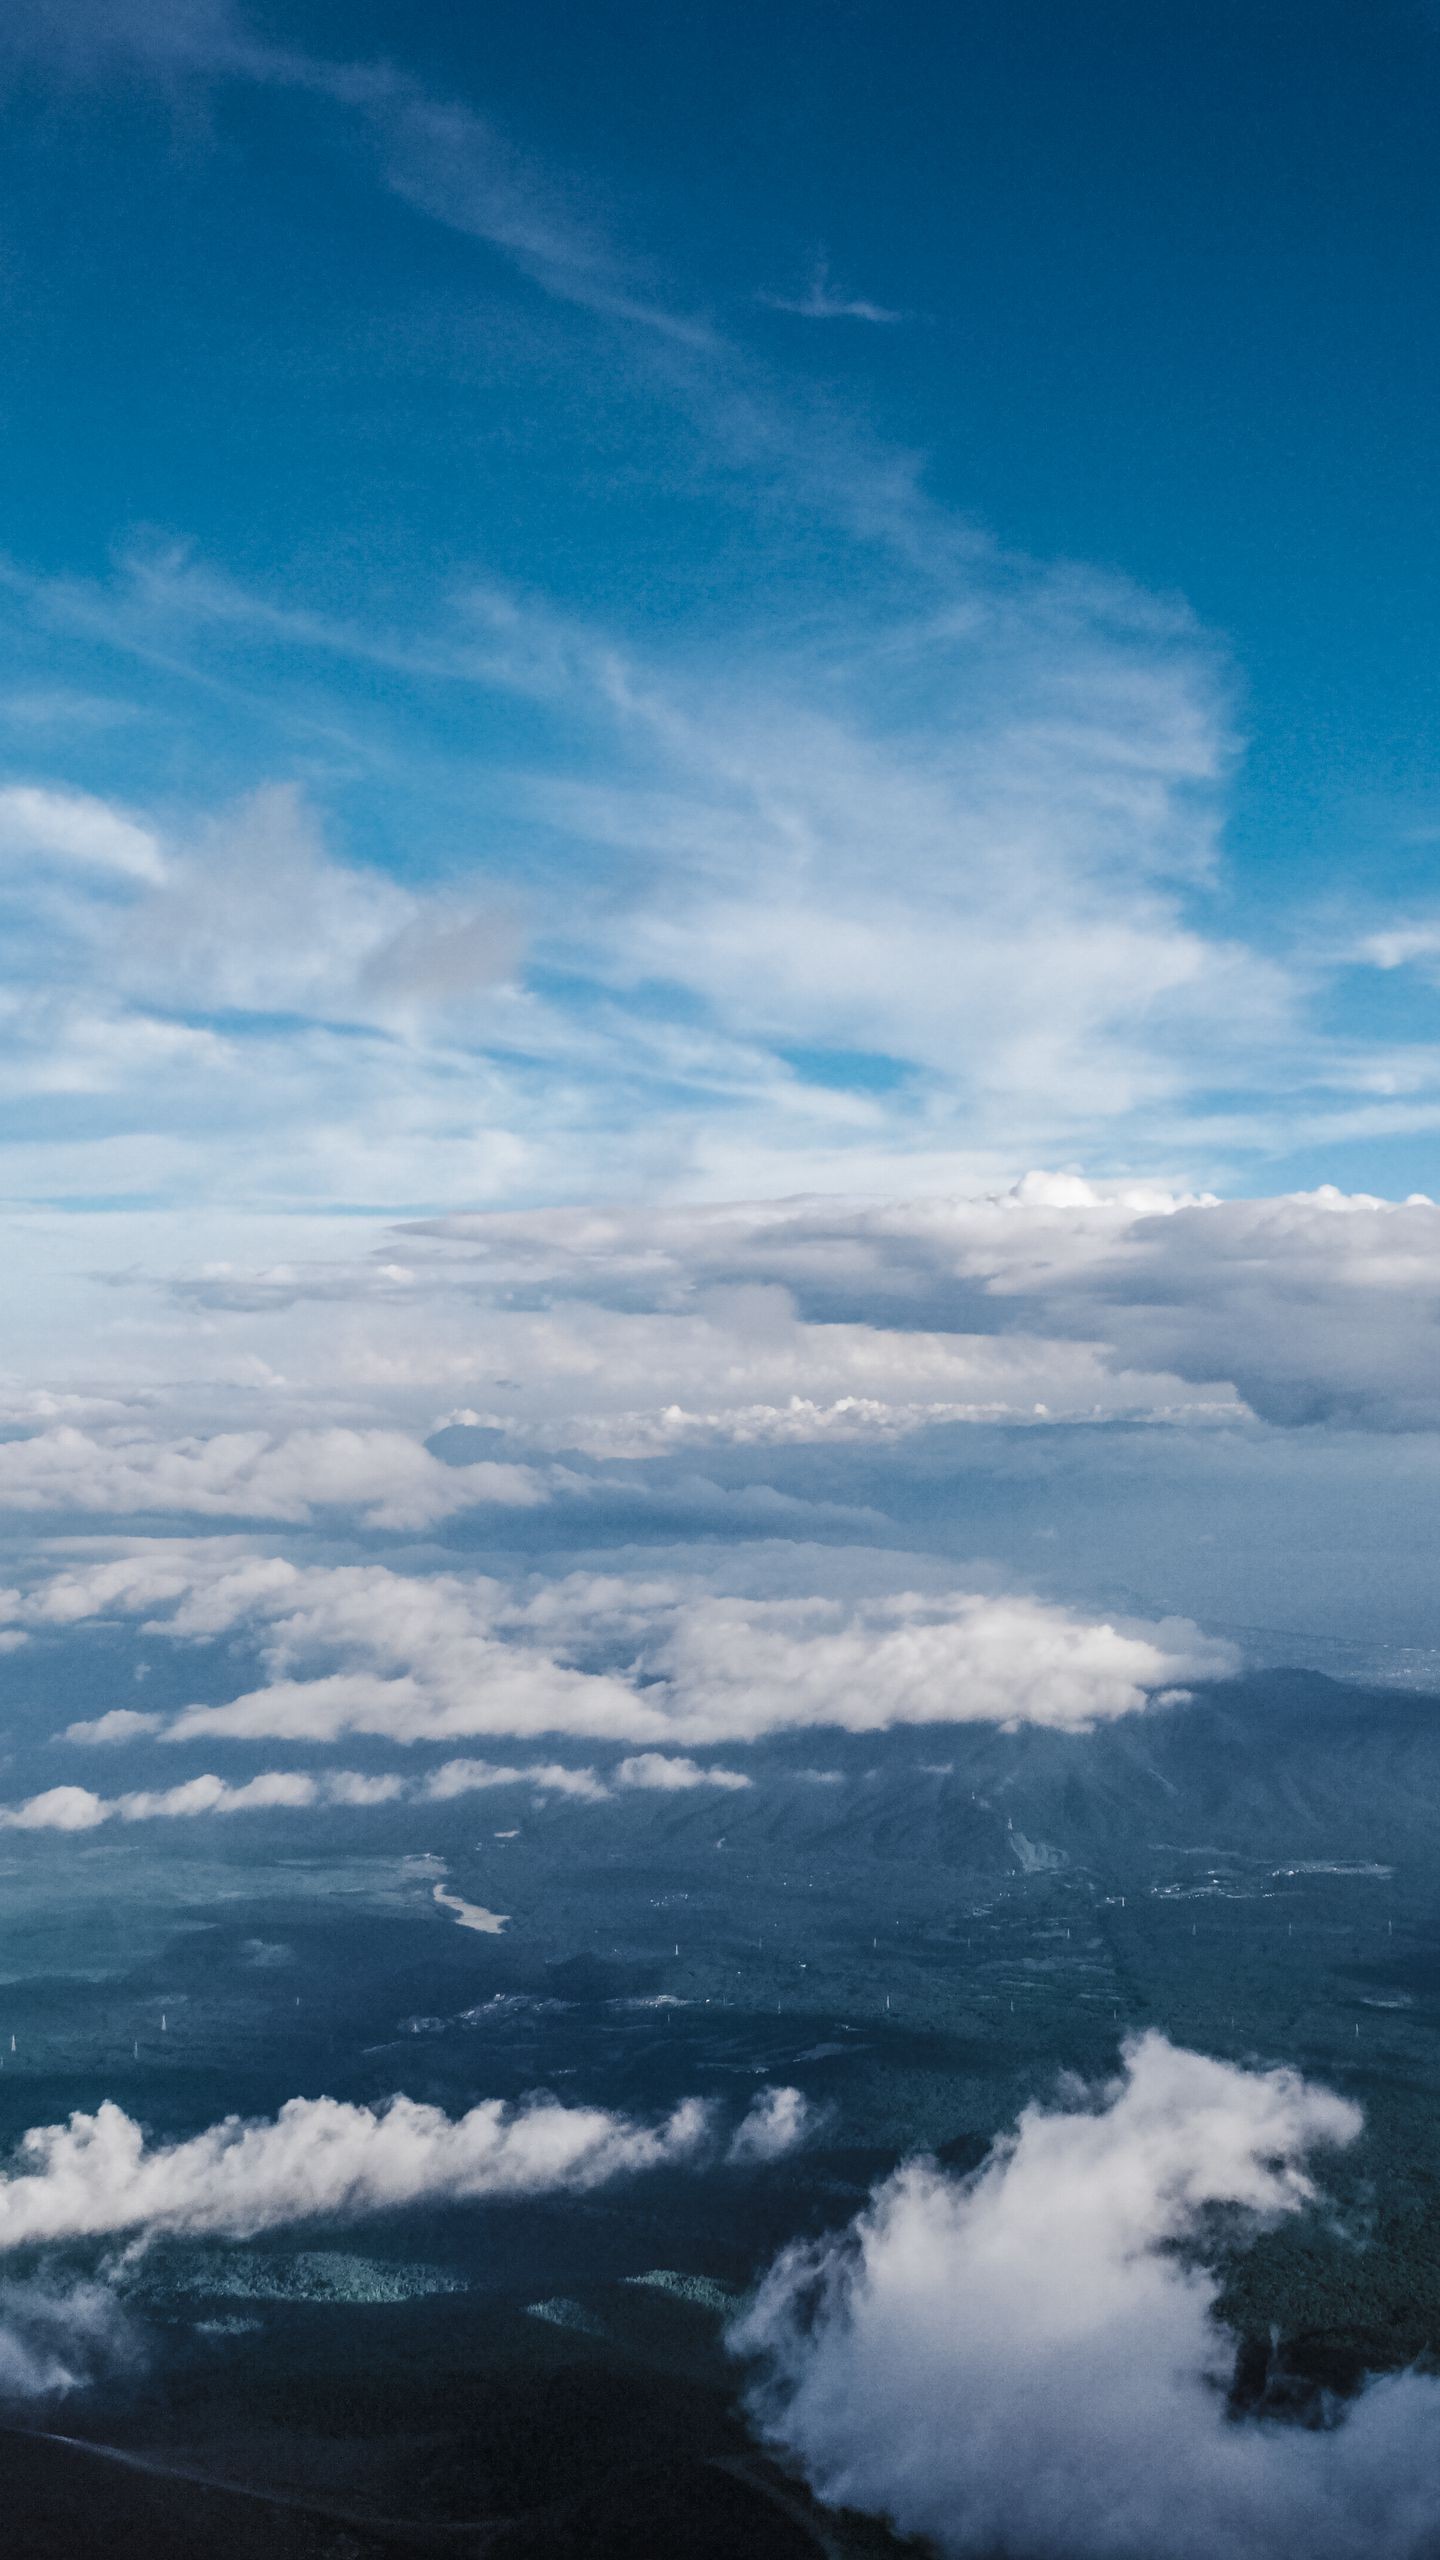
[733, 602]
[718, 850]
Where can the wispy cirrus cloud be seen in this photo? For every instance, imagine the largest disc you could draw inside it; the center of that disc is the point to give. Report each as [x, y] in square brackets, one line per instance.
[832, 886]
[452, 164]
[821, 299]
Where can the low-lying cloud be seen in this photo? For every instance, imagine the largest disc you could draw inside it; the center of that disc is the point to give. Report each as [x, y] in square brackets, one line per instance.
[59, 2337]
[98, 2175]
[434, 1658]
[68, 1808]
[388, 1478]
[71, 1808]
[1029, 2361]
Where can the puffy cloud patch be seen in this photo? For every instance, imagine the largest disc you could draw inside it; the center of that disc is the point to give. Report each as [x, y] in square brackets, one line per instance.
[98, 2175]
[1029, 2360]
[471, 1777]
[388, 1477]
[436, 1658]
[72, 1808]
[779, 2119]
[674, 1775]
[742, 1669]
[69, 1808]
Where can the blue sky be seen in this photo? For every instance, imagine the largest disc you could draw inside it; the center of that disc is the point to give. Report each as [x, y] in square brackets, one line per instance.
[613, 620]
[874, 570]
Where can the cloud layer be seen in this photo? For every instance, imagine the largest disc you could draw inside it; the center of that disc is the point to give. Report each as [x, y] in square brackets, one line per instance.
[1056, 1299]
[652, 1335]
[362, 1649]
[1028, 2360]
[386, 1478]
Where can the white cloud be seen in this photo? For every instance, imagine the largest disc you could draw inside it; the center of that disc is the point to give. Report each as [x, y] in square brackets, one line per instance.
[737, 1670]
[70, 1808]
[73, 828]
[919, 890]
[550, 1777]
[1057, 1298]
[654, 1769]
[119, 1724]
[354, 1786]
[912, 884]
[1398, 946]
[363, 1649]
[255, 916]
[58, 1809]
[1029, 2359]
[646, 1345]
[387, 1476]
[97, 2175]
[779, 2119]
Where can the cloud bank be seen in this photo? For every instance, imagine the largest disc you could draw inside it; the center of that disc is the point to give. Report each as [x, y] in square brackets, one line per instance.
[835, 1323]
[365, 1650]
[1057, 1298]
[1028, 2360]
[386, 1477]
[98, 2176]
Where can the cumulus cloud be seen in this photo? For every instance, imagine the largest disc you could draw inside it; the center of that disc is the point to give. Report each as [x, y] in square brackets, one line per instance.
[68, 1808]
[388, 1477]
[779, 2119]
[73, 1808]
[363, 1649]
[672, 1775]
[98, 2175]
[741, 1669]
[1029, 2359]
[551, 1777]
[117, 1725]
